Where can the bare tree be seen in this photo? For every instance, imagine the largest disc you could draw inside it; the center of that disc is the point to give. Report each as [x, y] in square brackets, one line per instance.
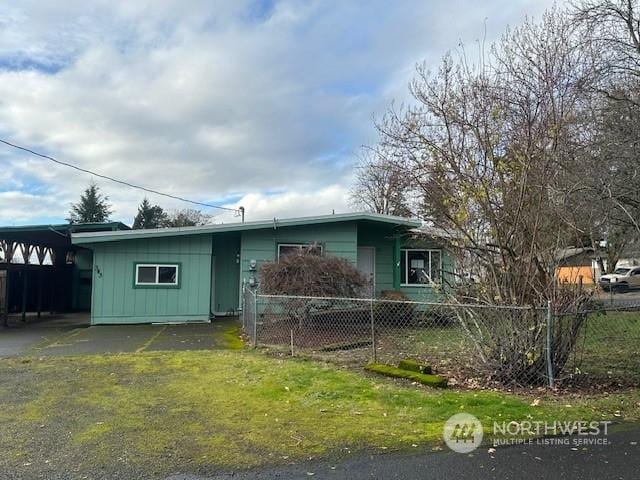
[610, 29]
[186, 218]
[609, 170]
[381, 185]
[485, 146]
[491, 149]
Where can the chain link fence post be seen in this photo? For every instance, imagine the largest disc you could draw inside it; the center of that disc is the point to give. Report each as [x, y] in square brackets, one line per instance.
[255, 319]
[243, 308]
[549, 349]
[373, 333]
[292, 352]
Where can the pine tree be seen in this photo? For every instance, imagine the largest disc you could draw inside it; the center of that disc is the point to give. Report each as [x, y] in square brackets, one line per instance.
[149, 216]
[92, 207]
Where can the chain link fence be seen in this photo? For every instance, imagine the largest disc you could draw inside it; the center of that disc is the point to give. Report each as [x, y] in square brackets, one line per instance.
[607, 346]
[249, 314]
[472, 345]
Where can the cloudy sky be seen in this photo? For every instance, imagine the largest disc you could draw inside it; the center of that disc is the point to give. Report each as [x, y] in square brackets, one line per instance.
[257, 103]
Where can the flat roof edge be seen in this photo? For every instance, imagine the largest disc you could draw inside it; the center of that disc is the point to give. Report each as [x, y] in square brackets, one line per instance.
[99, 237]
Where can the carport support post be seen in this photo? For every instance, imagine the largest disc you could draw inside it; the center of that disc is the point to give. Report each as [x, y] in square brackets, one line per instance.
[24, 295]
[52, 291]
[5, 313]
[39, 291]
[549, 345]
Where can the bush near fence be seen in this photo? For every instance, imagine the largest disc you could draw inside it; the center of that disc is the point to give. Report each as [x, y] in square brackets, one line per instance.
[356, 331]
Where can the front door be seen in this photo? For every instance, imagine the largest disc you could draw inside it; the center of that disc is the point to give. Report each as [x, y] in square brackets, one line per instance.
[367, 265]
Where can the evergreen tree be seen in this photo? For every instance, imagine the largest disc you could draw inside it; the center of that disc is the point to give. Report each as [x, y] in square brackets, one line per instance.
[149, 216]
[92, 207]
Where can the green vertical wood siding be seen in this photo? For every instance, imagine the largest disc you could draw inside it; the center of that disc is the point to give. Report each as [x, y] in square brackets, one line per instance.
[116, 301]
[339, 239]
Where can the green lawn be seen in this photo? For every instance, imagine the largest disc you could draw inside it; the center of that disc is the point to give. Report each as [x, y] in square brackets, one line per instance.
[607, 349]
[610, 347]
[196, 411]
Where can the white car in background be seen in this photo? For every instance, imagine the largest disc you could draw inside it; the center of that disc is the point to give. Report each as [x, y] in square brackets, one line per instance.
[622, 279]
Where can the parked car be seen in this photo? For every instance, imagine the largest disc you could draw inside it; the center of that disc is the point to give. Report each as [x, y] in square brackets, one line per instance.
[622, 279]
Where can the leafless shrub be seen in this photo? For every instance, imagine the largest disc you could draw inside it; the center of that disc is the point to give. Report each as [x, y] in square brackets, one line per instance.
[510, 343]
[309, 274]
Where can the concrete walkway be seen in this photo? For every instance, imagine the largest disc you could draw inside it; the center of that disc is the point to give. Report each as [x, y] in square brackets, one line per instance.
[51, 338]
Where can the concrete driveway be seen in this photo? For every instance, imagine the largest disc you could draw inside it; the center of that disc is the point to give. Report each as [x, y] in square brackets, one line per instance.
[60, 338]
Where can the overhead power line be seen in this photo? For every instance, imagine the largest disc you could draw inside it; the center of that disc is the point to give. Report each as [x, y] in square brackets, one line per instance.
[121, 182]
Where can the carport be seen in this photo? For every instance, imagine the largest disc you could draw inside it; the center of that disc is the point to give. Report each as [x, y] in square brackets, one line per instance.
[41, 271]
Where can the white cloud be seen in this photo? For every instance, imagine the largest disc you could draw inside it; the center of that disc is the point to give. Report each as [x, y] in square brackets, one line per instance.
[259, 206]
[211, 100]
[19, 207]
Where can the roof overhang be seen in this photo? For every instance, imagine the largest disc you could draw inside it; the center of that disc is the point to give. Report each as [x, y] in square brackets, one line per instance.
[99, 237]
[435, 232]
[58, 235]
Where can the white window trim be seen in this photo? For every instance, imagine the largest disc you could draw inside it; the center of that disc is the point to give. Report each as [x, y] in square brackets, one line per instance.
[299, 245]
[431, 283]
[157, 267]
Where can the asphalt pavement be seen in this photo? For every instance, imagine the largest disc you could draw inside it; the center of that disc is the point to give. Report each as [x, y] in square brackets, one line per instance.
[619, 459]
[66, 336]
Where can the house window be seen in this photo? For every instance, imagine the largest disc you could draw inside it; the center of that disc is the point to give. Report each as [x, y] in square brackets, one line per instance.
[420, 267]
[160, 275]
[285, 249]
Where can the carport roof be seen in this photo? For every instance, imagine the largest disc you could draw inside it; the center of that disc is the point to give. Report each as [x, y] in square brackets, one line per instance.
[54, 235]
[96, 237]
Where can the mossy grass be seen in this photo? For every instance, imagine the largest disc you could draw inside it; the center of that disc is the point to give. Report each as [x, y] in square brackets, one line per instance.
[425, 379]
[413, 366]
[231, 338]
[201, 411]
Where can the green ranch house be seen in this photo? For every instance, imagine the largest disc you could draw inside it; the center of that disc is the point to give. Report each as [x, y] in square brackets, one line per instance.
[193, 274]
